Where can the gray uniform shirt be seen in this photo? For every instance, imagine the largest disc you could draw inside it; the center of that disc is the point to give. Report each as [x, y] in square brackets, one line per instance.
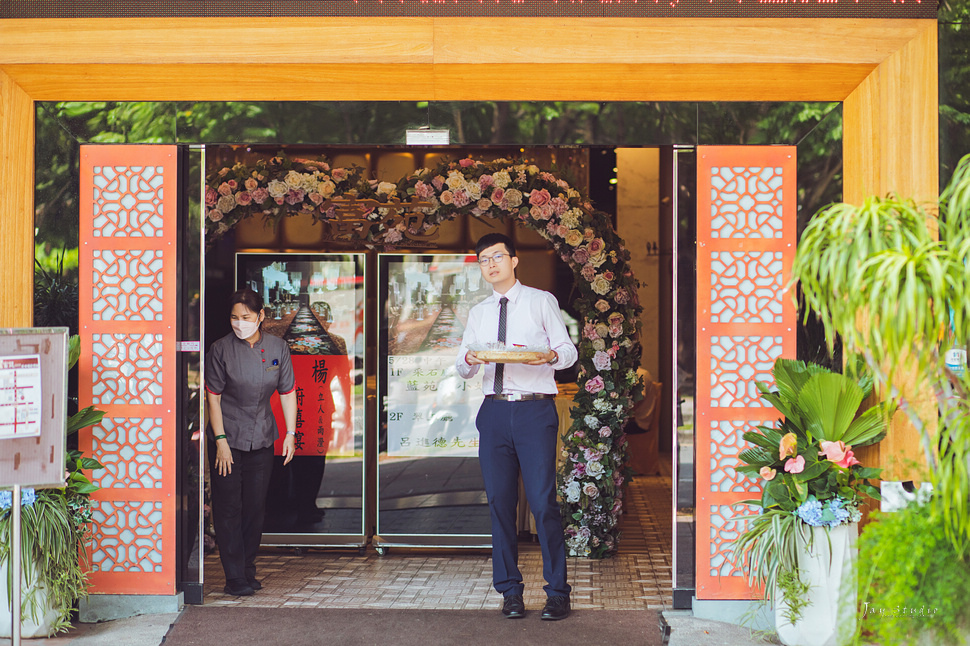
[247, 377]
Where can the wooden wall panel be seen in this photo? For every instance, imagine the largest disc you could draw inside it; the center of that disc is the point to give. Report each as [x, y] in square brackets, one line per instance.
[16, 204]
[891, 143]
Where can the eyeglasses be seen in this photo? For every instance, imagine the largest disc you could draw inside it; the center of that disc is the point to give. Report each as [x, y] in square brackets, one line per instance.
[498, 258]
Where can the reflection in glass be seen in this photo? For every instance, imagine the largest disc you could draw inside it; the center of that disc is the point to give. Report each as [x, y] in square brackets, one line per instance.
[429, 480]
[316, 303]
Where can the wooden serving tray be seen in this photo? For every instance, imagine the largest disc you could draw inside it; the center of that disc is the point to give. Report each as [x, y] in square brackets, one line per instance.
[508, 356]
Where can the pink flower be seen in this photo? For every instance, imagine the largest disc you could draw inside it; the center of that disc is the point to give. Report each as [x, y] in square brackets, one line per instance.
[602, 306]
[260, 195]
[251, 184]
[795, 464]
[447, 197]
[596, 245]
[615, 318]
[595, 384]
[224, 189]
[424, 191]
[848, 461]
[315, 197]
[552, 228]
[485, 181]
[215, 215]
[466, 162]
[606, 431]
[339, 174]
[559, 205]
[243, 198]
[589, 273]
[622, 297]
[833, 451]
[589, 331]
[787, 446]
[601, 360]
[581, 256]
[211, 196]
[609, 275]
[439, 181]
[393, 235]
[294, 196]
[497, 195]
[461, 198]
[233, 184]
[767, 473]
[538, 198]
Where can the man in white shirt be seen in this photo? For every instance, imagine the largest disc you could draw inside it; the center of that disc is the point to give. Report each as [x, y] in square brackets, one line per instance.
[518, 423]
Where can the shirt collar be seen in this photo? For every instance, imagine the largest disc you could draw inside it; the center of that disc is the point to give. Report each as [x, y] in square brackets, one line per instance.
[513, 293]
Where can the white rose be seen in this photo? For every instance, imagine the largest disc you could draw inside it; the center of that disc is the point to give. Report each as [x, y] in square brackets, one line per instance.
[595, 469]
[501, 178]
[293, 179]
[386, 188]
[226, 203]
[572, 492]
[455, 180]
[277, 188]
[601, 286]
[326, 189]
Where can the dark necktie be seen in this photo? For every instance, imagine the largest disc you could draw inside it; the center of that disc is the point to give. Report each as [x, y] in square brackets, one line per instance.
[500, 367]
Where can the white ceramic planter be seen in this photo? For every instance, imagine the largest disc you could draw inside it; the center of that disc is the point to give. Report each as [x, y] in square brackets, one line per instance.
[29, 628]
[828, 567]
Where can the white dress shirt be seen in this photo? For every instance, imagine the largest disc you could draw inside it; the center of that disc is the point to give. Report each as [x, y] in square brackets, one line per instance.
[532, 319]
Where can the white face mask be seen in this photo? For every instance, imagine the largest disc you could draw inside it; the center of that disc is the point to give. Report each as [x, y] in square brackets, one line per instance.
[245, 329]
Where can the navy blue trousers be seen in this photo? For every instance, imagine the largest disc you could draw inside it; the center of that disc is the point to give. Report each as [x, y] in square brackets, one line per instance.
[516, 437]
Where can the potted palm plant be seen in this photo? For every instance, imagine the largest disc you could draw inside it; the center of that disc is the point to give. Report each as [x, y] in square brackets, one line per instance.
[903, 268]
[54, 529]
[800, 547]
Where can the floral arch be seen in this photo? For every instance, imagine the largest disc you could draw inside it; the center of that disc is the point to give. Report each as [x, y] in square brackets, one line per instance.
[591, 473]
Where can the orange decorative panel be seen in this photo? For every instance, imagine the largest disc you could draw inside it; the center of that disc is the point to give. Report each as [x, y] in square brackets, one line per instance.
[128, 279]
[746, 239]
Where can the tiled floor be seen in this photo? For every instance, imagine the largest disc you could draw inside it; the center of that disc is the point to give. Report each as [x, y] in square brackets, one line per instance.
[639, 577]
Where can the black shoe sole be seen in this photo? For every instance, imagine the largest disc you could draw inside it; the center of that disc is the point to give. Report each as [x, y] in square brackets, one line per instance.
[513, 615]
[549, 618]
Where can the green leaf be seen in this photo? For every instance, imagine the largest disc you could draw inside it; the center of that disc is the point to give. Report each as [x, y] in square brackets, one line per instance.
[830, 402]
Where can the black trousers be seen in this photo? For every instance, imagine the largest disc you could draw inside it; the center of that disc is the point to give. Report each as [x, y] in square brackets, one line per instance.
[238, 508]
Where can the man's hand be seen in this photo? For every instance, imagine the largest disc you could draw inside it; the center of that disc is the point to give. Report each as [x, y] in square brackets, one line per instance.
[471, 358]
[547, 357]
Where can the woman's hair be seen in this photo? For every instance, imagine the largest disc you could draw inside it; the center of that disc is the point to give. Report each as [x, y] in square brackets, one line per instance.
[249, 298]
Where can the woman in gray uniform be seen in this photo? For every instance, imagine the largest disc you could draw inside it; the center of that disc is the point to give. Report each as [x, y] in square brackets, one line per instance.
[242, 371]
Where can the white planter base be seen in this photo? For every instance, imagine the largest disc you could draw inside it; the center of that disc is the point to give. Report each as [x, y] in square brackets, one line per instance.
[829, 619]
[28, 628]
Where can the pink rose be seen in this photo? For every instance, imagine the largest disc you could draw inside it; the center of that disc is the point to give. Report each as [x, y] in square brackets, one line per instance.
[622, 297]
[393, 235]
[601, 361]
[438, 182]
[581, 256]
[562, 230]
[485, 181]
[589, 331]
[211, 196]
[251, 184]
[497, 195]
[538, 198]
[215, 215]
[609, 275]
[615, 318]
[315, 197]
[602, 306]
[588, 233]
[589, 273]
[233, 184]
[767, 473]
[559, 205]
[466, 162]
[243, 198]
[595, 384]
[447, 197]
[339, 174]
[224, 189]
[294, 196]
[596, 245]
[606, 431]
[795, 464]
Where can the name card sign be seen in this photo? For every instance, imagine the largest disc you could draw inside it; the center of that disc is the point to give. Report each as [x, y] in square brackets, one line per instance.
[20, 396]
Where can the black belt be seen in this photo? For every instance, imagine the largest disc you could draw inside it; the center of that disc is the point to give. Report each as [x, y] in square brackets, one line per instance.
[515, 397]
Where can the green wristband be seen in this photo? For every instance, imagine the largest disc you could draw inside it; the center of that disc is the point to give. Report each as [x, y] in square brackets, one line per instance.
[220, 437]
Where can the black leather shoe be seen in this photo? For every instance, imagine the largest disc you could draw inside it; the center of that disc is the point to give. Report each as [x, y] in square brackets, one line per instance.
[254, 584]
[513, 607]
[238, 588]
[556, 608]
